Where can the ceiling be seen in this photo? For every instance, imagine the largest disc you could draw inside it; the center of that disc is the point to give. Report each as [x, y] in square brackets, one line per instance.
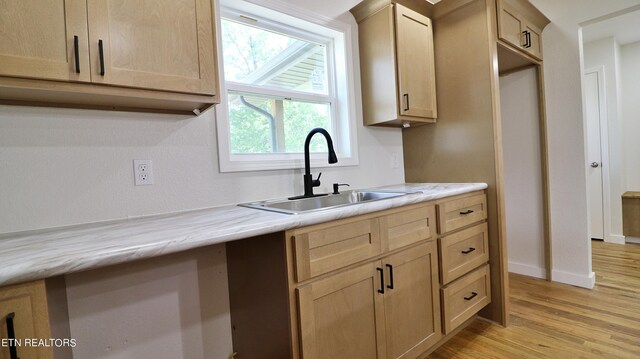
[624, 28]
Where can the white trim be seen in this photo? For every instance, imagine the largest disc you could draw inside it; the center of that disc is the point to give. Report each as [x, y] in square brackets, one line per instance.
[577, 280]
[278, 92]
[616, 239]
[630, 239]
[343, 103]
[297, 12]
[528, 270]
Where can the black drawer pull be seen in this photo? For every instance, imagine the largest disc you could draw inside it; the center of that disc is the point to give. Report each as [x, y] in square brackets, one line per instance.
[466, 212]
[406, 97]
[11, 334]
[471, 249]
[390, 285]
[473, 295]
[101, 53]
[76, 54]
[381, 290]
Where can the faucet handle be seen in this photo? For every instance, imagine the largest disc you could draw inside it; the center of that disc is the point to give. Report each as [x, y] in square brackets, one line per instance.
[337, 185]
[316, 182]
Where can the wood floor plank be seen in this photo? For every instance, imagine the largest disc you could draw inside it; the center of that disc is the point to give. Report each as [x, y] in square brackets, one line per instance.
[552, 320]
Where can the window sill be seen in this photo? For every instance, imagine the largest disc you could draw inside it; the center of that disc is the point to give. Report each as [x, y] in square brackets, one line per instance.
[246, 163]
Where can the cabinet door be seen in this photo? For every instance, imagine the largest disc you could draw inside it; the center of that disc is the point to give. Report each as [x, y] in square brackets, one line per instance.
[416, 69]
[153, 44]
[37, 39]
[535, 45]
[28, 304]
[510, 26]
[342, 316]
[412, 302]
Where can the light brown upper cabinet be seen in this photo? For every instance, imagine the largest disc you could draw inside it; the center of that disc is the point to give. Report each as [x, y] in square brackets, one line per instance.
[44, 39]
[160, 45]
[396, 64]
[133, 55]
[520, 24]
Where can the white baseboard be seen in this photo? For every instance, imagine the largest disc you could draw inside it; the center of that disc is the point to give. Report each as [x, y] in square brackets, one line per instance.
[528, 270]
[630, 239]
[615, 238]
[574, 279]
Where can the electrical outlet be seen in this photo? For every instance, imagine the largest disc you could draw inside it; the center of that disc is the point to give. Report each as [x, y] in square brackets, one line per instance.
[395, 161]
[143, 172]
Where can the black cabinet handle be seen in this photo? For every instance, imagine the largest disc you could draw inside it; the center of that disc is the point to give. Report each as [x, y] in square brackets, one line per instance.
[101, 50]
[466, 212]
[471, 249]
[406, 99]
[11, 334]
[390, 286]
[76, 54]
[473, 295]
[381, 290]
[527, 39]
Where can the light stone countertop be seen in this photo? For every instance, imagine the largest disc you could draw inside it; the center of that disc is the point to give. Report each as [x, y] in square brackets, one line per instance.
[32, 255]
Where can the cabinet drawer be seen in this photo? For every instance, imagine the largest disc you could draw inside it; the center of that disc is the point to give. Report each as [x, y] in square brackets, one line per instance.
[27, 303]
[461, 212]
[407, 227]
[465, 297]
[321, 250]
[463, 251]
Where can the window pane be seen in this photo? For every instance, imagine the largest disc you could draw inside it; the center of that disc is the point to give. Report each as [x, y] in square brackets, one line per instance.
[263, 124]
[260, 57]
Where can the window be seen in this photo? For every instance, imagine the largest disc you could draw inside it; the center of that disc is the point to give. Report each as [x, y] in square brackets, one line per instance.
[283, 76]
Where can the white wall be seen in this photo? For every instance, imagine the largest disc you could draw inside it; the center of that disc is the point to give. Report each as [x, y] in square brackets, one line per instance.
[65, 166]
[571, 249]
[630, 69]
[174, 306]
[604, 52]
[522, 173]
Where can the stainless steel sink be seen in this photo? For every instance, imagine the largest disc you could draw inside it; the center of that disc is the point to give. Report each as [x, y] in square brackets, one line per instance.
[305, 205]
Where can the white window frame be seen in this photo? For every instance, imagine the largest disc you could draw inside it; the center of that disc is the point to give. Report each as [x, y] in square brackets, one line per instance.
[337, 37]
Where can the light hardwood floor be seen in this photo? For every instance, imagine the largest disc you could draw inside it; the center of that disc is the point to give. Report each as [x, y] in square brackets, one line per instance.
[551, 320]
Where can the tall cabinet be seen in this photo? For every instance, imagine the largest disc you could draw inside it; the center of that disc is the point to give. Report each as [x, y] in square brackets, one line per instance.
[474, 44]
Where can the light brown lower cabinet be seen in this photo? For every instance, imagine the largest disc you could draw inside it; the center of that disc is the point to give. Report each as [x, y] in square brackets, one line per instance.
[35, 314]
[25, 316]
[388, 308]
[361, 287]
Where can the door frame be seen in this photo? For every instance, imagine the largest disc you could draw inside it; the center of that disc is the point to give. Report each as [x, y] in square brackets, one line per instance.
[604, 153]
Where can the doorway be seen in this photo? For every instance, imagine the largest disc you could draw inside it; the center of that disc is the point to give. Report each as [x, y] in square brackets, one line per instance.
[610, 57]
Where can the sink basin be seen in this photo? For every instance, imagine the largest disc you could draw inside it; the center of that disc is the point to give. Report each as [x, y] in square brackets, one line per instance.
[305, 205]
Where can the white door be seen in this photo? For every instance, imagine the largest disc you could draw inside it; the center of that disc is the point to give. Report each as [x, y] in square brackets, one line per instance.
[594, 114]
